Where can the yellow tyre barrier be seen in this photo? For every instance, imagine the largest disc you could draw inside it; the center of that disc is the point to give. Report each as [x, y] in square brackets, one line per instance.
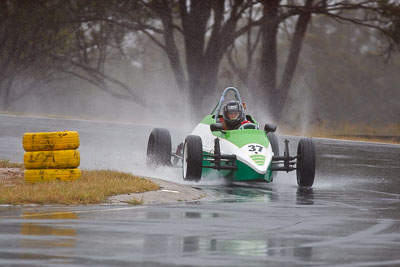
[33, 176]
[50, 141]
[57, 159]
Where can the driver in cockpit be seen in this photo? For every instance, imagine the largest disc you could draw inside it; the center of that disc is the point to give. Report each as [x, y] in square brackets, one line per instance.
[233, 115]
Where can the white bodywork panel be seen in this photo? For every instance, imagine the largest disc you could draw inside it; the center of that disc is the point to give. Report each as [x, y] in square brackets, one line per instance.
[243, 154]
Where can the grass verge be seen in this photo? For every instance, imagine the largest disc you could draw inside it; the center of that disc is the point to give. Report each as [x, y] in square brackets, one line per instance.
[350, 131]
[369, 138]
[10, 164]
[94, 187]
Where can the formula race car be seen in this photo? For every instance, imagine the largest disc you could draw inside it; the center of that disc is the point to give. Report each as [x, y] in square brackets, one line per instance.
[246, 153]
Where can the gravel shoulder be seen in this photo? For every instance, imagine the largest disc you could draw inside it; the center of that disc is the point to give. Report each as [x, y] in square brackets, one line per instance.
[168, 193]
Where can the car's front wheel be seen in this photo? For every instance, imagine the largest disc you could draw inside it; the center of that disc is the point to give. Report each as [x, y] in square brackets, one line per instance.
[192, 158]
[305, 166]
[273, 140]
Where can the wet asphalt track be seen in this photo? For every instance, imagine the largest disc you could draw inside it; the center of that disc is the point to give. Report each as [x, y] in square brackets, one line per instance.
[351, 217]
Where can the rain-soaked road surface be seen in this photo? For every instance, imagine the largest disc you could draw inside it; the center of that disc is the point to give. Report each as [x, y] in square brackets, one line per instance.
[351, 217]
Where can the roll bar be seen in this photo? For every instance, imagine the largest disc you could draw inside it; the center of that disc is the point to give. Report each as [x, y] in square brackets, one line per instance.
[218, 107]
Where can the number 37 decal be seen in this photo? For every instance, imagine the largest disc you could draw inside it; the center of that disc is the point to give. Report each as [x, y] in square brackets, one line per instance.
[255, 148]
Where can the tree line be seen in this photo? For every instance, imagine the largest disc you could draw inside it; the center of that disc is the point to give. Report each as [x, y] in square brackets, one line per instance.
[54, 39]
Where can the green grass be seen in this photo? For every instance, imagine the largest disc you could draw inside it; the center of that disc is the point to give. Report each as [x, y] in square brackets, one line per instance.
[94, 187]
[10, 164]
[351, 131]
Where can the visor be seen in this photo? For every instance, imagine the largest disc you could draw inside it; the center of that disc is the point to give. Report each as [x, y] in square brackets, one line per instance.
[233, 114]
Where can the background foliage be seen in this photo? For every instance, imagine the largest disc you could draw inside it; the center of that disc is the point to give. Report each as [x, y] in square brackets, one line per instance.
[312, 64]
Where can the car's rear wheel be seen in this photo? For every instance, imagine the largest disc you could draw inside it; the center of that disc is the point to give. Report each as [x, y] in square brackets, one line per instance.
[305, 166]
[192, 158]
[159, 148]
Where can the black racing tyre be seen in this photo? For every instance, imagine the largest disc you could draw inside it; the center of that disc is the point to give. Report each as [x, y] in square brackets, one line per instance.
[305, 166]
[192, 158]
[273, 139]
[159, 148]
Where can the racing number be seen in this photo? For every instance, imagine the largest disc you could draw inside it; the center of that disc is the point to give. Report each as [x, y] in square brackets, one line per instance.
[255, 148]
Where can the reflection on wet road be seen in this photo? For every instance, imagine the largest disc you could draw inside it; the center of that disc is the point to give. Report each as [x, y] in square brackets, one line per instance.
[351, 217]
[238, 226]
[40, 234]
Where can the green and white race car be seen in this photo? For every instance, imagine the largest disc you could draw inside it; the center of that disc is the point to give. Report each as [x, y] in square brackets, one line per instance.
[244, 154]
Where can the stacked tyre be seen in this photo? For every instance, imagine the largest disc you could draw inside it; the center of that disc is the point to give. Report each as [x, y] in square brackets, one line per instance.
[51, 156]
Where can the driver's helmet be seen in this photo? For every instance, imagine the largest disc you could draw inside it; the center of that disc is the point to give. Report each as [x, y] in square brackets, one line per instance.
[233, 114]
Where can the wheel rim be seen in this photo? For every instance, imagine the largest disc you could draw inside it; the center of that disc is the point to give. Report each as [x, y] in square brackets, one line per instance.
[184, 163]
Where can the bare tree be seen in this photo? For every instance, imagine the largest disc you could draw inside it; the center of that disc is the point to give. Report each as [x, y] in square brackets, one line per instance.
[383, 16]
[27, 32]
[207, 27]
[77, 38]
[59, 37]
